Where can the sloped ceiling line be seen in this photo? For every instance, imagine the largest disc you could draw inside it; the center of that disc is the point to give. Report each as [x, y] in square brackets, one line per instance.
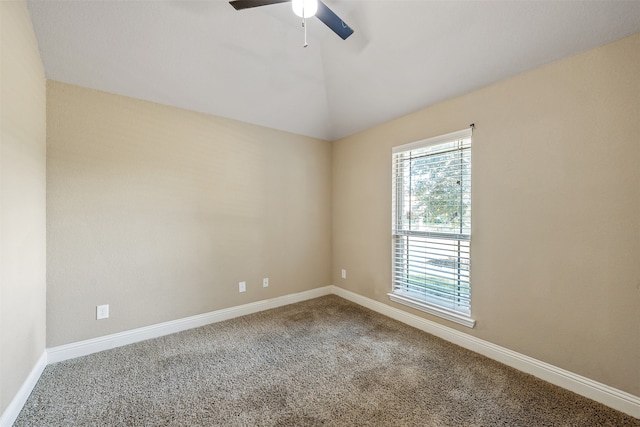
[250, 65]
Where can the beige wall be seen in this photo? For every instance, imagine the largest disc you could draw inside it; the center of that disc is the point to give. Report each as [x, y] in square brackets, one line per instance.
[160, 212]
[22, 200]
[556, 211]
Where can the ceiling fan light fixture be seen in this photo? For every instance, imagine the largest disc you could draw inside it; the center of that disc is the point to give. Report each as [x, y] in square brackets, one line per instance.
[304, 8]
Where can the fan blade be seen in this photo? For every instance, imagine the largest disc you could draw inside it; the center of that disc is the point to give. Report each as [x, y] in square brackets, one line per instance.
[333, 21]
[246, 4]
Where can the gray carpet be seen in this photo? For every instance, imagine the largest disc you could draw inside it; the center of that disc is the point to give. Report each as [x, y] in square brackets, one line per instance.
[320, 362]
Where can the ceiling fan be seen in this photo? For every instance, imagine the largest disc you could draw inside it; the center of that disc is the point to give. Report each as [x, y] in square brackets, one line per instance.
[304, 9]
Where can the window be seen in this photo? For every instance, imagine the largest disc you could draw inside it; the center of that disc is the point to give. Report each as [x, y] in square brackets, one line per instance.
[432, 226]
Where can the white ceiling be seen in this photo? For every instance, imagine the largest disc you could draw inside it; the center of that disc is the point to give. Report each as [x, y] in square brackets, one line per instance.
[250, 65]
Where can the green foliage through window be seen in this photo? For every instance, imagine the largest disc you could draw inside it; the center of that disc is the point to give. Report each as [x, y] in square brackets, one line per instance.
[432, 221]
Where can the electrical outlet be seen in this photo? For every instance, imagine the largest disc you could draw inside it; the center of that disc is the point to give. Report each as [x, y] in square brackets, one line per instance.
[102, 311]
[344, 273]
[242, 286]
[265, 282]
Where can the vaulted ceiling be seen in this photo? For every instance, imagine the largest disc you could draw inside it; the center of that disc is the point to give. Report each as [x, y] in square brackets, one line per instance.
[250, 65]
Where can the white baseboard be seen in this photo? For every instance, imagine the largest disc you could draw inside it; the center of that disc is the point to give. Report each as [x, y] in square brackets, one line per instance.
[609, 396]
[94, 345]
[599, 392]
[11, 413]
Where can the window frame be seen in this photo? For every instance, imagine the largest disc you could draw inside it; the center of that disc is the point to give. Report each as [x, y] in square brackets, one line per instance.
[414, 299]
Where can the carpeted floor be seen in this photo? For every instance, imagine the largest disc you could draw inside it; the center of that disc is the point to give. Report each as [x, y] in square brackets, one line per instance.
[320, 362]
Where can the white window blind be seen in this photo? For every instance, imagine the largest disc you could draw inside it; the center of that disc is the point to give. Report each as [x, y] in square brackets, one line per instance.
[432, 224]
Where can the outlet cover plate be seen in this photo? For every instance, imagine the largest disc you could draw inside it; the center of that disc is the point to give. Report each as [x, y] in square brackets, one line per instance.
[265, 282]
[102, 312]
[242, 286]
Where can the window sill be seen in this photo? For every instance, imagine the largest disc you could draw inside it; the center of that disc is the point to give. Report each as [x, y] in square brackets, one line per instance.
[450, 315]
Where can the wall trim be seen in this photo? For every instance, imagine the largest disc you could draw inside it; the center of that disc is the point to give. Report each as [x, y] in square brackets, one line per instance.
[13, 410]
[94, 345]
[609, 396]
